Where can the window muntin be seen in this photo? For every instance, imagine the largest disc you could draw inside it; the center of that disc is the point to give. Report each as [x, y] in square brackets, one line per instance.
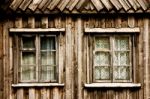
[38, 58]
[112, 58]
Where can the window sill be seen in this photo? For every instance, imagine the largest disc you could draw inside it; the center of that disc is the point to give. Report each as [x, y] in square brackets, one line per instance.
[37, 85]
[113, 85]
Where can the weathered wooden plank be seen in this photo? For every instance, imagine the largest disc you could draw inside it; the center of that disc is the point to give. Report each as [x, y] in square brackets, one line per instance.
[45, 22]
[107, 4]
[31, 22]
[6, 62]
[112, 30]
[38, 85]
[34, 5]
[134, 4]
[116, 3]
[32, 93]
[80, 4]
[24, 5]
[68, 90]
[1, 61]
[80, 56]
[125, 4]
[98, 5]
[72, 4]
[113, 85]
[146, 57]
[56, 94]
[44, 93]
[20, 93]
[143, 4]
[16, 30]
[53, 4]
[42, 3]
[15, 4]
[63, 4]
[140, 69]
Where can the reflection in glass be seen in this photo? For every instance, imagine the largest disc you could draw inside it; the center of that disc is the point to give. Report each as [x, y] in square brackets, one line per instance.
[28, 42]
[28, 72]
[48, 43]
[28, 58]
[48, 73]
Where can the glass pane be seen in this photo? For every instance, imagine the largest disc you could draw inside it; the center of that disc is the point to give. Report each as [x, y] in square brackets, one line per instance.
[28, 58]
[28, 72]
[102, 73]
[121, 58]
[48, 43]
[48, 73]
[122, 43]
[28, 42]
[102, 59]
[48, 58]
[102, 43]
[122, 73]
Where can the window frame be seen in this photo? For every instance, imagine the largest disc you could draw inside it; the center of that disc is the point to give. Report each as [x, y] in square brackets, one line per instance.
[14, 52]
[38, 57]
[131, 55]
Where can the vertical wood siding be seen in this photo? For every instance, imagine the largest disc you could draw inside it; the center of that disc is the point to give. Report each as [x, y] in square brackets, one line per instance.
[75, 67]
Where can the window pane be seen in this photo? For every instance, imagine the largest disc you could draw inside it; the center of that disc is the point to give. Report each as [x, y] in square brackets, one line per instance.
[28, 58]
[28, 72]
[102, 43]
[102, 59]
[48, 73]
[48, 58]
[102, 73]
[28, 42]
[122, 43]
[122, 73]
[121, 58]
[48, 43]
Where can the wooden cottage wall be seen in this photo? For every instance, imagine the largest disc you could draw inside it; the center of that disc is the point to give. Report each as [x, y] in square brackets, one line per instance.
[74, 65]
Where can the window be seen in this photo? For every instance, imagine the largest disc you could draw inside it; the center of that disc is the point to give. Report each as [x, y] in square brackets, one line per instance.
[112, 58]
[37, 58]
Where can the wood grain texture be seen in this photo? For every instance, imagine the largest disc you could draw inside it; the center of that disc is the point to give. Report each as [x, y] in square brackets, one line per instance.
[75, 56]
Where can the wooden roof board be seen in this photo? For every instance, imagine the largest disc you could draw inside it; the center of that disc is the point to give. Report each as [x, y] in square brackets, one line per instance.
[33, 5]
[72, 4]
[80, 6]
[42, 3]
[143, 4]
[98, 5]
[63, 4]
[134, 4]
[46, 5]
[25, 4]
[125, 5]
[53, 4]
[15, 4]
[107, 4]
[116, 4]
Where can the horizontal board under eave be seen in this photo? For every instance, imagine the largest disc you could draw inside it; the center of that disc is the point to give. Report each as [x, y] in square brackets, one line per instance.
[38, 85]
[113, 85]
[36, 30]
[112, 30]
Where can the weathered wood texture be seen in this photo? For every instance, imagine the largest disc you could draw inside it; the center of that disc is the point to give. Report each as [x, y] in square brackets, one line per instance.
[74, 59]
